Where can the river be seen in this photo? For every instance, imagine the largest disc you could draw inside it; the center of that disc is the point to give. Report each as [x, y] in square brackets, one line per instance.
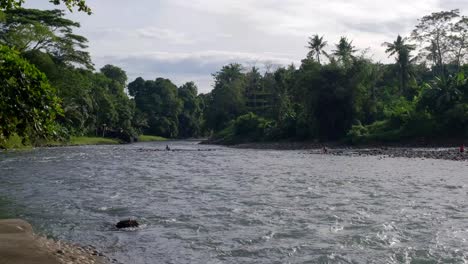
[210, 204]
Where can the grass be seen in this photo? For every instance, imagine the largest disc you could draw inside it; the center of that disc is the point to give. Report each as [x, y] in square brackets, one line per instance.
[80, 141]
[14, 142]
[75, 141]
[146, 138]
[4, 212]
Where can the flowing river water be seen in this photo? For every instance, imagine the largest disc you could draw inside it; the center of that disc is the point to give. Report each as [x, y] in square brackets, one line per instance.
[205, 204]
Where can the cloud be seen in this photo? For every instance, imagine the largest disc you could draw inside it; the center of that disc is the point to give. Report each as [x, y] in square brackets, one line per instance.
[165, 34]
[184, 39]
[385, 28]
[196, 65]
[203, 62]
[300, 17]
[453, 4]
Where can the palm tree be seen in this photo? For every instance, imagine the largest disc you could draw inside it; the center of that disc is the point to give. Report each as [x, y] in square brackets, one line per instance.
[442, 93]
[402, 50]
[316, 46]
[344, 51]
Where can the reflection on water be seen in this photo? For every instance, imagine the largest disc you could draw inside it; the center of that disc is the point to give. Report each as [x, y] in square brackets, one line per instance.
[205, 204]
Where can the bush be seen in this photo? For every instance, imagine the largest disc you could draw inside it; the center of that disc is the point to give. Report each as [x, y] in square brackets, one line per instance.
[246, 128]
[28, 105]
[456, 120]
[250, 126]
[420, 124]
[357, 134]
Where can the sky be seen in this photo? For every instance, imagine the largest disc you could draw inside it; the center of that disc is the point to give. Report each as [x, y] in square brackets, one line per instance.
[189, 40]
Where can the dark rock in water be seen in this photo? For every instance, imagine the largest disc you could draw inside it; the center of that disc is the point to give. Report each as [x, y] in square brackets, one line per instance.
[127, 224]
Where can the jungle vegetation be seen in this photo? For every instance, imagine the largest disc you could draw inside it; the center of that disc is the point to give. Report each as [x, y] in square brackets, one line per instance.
[50, 89]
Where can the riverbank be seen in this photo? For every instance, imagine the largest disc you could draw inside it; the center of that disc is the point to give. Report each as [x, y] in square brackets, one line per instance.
[147, 138]
[16, 143]
[19, 244]
[443, 152]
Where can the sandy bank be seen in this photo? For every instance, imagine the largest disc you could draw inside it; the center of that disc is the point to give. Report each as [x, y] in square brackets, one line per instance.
[18, 244]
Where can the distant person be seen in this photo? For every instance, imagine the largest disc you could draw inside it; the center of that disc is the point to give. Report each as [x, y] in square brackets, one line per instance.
[168, 148]
[324, 150]
[462, 148]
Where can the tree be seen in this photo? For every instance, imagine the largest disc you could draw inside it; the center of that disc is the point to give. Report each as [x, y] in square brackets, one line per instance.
[115, 73]
[433, 32]
[344, 51]
[440, 95]
[29, 30]
[316, 46]
[459, 41]
[228, 97]
[28, 105]
[118, 77]
[190, 118]
[326, 97]
[81, 4]
[402, 50]
[158, 101]
[282, 110]
[254, 93]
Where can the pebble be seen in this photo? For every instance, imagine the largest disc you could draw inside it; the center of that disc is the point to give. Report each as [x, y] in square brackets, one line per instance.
[451, 154]
[72, 254]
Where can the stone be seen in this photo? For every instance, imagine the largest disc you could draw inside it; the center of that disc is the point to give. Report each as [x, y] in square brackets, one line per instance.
[127, 224]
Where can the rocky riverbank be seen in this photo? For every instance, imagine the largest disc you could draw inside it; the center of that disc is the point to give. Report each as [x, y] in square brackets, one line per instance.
[18, 244]
[421, 153]
[431, 152]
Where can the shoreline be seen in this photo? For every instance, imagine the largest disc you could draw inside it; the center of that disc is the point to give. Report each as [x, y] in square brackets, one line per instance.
[437, 152]
[80, 141]
[19, 244]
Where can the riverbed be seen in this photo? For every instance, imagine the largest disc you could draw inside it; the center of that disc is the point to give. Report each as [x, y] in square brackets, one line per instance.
[212, 204]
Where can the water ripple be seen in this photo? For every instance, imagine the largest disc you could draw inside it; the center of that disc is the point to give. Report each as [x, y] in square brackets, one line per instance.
[204, 204]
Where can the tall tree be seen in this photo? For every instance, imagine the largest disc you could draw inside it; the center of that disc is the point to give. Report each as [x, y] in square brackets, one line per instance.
[316, 46]
[28, 105]
[118, 77]
[228, 97]
[344, 51]
[158, 100]
[81, 4]
[115, 73]
[403, 52]
[459, 41]
[434, 33]
[253, 90]
[191, 114]
[29, 30]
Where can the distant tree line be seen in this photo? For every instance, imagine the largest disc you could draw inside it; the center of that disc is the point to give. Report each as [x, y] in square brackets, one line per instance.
[50, 90]
[341, 94]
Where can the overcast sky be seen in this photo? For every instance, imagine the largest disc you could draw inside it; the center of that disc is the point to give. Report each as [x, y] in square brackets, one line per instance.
[188, 40]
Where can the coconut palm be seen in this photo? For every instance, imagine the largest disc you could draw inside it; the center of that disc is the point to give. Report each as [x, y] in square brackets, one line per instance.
[402, 50]
[344, 51]
[441, 94]
[316, 46]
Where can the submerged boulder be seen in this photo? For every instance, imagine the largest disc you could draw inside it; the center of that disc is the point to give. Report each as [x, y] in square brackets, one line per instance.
[127, 224]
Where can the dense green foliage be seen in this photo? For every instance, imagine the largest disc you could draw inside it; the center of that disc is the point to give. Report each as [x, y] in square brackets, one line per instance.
[49, 89]
[168, 111]
[81, 4]
[28, 105]
[36, 44]
[350, 97]
[31, 31]
[145, 138]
